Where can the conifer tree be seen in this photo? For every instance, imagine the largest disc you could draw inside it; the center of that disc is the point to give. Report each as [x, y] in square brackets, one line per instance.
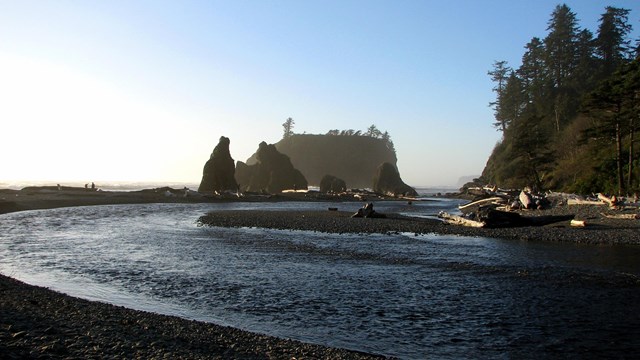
[560, 44]
[561, 61]
[612, 45]
[288, 128]
[499, 76]
[533, 72]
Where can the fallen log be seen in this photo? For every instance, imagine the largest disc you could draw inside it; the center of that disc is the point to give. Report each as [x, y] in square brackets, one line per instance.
[459, 220]
[578, 223]
[611, 201]
[475, 205]
[584, 202]
[490, 218]
[622, 216]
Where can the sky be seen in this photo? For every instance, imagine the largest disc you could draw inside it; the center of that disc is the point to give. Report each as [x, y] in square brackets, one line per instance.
[132, 90]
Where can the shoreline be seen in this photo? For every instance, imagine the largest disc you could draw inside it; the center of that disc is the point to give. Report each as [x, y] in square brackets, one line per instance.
[600, 230]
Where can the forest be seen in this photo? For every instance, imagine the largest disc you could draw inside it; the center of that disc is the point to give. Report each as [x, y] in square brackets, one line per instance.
[570, 112]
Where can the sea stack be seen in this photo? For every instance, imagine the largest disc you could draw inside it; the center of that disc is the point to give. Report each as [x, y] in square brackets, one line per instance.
[388, 182]
[273, 172]
[219, 171]
[332, 184]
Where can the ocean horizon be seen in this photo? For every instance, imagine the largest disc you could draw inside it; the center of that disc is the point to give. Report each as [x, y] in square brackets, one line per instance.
[140, 185]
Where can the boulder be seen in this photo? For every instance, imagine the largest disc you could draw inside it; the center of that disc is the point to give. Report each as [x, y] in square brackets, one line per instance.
[218, 174]
[331, 184]
[387, 181]
[272, 172]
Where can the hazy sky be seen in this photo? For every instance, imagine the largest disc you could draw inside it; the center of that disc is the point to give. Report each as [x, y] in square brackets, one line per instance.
[142, 90]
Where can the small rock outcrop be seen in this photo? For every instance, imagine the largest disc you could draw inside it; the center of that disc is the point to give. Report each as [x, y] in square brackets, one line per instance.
[387, 181]
[331, 184]
[219, 171]
[273, 172]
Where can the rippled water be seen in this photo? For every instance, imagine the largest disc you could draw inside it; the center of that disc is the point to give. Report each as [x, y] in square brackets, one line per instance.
[401, 295]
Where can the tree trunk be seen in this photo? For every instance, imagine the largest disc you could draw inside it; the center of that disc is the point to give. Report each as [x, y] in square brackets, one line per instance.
[632, 132]
[619, 157]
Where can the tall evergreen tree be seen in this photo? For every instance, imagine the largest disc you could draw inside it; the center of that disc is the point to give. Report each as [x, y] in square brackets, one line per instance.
[612, 45]
[532, 72]
[512, 100]
[584, 77]
[560, 44]
[561, 61]
[288, 128]
[499, 76]
[614, 107]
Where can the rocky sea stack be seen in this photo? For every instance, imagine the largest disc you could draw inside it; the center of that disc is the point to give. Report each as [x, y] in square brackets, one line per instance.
[219, 171]
[388, 182]
[331, 184]
[352, 158]
[272, 172]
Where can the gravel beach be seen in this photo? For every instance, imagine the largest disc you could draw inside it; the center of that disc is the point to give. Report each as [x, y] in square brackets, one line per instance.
[36, 323]
[599, 229]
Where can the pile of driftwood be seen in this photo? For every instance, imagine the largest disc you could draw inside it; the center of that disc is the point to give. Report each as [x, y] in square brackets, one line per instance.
[494, 207]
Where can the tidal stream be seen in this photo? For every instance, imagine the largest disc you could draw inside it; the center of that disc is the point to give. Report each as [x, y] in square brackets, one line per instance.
[401, 295]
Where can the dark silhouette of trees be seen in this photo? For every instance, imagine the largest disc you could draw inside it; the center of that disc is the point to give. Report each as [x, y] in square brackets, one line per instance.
[499, 75]
[372, 131]
[569, 85]
[612, 45]
[288, 128]
[614, 108]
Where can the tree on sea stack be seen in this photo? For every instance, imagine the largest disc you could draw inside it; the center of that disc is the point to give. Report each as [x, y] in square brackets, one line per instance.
[288, 128]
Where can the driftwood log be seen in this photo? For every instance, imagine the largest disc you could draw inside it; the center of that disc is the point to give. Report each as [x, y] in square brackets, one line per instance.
[459, 220]
[487, 217]
[611, 201]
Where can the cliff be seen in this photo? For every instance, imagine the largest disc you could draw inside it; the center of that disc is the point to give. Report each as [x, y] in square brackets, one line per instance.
[352, 158]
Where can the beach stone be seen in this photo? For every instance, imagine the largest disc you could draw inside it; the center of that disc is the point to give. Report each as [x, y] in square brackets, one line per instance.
[332, 184]
[218, 174]
[387, 181]
[273, 172]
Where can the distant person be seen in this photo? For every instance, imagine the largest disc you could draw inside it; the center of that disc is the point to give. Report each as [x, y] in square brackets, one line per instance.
[86, 186]
[93, 186]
